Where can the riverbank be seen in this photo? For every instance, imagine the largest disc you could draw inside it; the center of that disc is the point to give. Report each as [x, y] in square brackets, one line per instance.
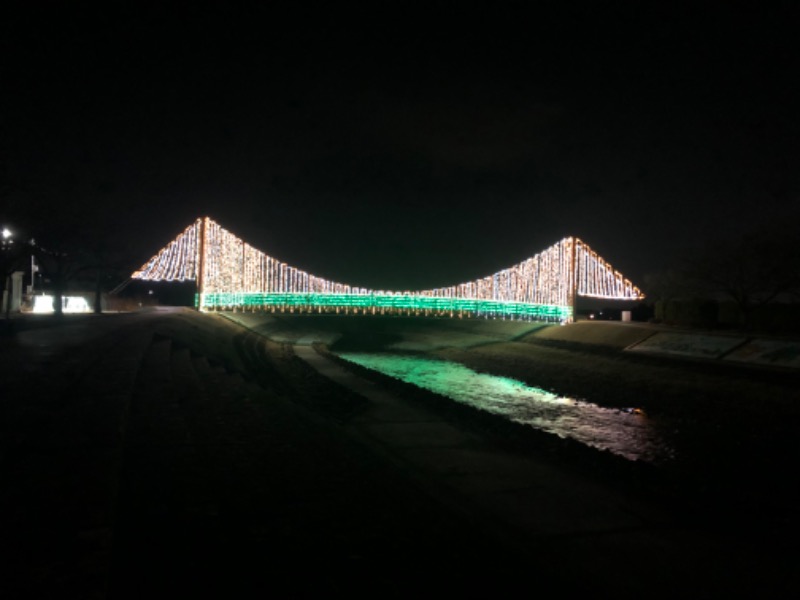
[168, 453]
[732, 426]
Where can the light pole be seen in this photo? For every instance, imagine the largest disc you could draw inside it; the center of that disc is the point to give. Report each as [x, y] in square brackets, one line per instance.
[7, 240]
[34, 268]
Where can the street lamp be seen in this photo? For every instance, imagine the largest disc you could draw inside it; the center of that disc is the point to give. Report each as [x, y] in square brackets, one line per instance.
[6, 295]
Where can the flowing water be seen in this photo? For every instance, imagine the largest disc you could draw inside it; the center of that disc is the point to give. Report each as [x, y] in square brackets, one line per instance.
[626, 432]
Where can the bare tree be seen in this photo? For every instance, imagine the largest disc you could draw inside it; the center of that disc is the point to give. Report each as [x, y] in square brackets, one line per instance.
[752, 270]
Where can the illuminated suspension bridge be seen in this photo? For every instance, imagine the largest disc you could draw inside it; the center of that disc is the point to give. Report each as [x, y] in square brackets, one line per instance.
[232, 275]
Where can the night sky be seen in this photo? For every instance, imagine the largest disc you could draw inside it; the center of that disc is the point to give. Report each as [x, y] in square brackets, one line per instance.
[405, 145]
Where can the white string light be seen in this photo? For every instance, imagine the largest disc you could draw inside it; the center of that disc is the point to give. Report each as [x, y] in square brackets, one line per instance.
[231, 266]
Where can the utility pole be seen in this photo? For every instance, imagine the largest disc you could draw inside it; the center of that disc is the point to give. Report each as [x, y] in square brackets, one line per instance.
[34, 269]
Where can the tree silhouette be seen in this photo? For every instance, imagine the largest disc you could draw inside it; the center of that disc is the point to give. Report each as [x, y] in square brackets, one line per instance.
[75, 255]
[752, 271]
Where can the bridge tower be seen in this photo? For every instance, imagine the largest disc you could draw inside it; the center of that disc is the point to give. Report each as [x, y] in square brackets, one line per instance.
[201, 260]
[572, 294]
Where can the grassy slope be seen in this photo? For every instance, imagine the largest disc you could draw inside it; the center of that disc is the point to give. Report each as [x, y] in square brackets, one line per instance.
[613, 335]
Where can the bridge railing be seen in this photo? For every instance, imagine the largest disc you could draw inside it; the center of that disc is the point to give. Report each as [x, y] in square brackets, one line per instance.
[383, 304]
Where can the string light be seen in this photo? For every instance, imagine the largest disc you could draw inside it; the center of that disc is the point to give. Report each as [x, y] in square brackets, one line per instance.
[232, 274]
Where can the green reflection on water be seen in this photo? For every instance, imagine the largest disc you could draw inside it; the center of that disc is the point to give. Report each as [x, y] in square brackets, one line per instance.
[627, 433]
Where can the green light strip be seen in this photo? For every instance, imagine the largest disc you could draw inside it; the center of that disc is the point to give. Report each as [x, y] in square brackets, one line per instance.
[383, 302]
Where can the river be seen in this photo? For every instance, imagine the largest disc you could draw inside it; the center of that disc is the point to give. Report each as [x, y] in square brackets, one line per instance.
[627, 432]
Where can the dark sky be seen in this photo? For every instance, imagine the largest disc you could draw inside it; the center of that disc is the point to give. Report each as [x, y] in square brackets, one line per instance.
[406, 145]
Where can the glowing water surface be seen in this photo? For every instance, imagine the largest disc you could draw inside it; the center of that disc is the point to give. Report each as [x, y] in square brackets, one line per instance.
[627, 432]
